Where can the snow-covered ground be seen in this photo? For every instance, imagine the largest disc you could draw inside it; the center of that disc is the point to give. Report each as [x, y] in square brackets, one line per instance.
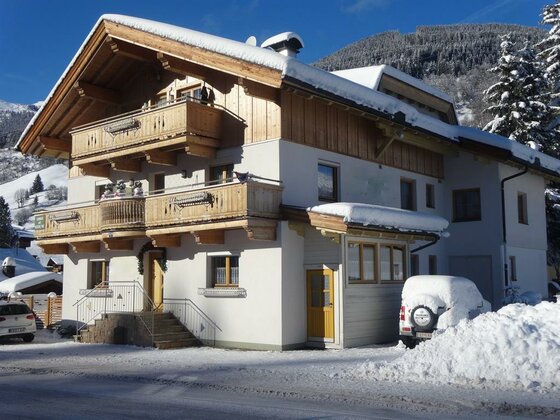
[503, 363]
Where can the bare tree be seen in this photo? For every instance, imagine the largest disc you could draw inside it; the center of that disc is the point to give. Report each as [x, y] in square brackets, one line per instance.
[20, 196]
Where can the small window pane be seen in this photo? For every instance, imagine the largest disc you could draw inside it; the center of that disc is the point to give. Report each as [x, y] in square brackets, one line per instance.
[407, 195]
[385, 263]
[353, 262]
[430, 196]
[398, 264]
[327, 183]
[369, 263]
[466, 205]
[326, 299]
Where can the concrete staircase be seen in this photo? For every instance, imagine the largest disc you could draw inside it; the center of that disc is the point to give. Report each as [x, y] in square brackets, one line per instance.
[134, 329]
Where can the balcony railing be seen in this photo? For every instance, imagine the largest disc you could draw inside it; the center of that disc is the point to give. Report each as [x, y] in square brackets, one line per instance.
[146, 126]
[228, 201]
[186, 207]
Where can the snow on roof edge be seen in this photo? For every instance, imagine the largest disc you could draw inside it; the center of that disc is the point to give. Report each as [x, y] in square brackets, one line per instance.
[385, 217]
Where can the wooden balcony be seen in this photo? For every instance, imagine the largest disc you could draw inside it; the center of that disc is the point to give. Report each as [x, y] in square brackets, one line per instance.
[206, 213]
[185, 125]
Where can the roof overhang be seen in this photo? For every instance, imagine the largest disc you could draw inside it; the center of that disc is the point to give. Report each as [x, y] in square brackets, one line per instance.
[133, 42]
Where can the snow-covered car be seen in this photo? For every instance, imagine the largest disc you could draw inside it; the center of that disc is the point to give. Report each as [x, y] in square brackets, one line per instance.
[431, 303]
[17, 320]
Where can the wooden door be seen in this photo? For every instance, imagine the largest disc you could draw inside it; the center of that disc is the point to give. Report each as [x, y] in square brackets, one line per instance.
[320, 304]
[156, 281]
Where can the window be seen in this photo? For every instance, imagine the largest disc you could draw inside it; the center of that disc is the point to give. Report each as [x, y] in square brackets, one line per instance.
[522, 208]
[159, 184]
[193, 93]
[327, 182]
[98, 274]
[414, 265]
[221, 174]
[430, 196]
[408, 194]
[512, 268]
[432, 264]
[466, 205]
[225, 271]
[392, 263]
[362, 263]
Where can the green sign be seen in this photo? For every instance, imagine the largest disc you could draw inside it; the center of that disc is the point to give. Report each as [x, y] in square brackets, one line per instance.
[40, 222]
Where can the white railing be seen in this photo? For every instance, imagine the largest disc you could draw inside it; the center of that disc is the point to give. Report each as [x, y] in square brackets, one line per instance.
[193, 318]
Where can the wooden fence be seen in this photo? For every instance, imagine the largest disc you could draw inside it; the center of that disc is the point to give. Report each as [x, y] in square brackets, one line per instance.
[48, 311]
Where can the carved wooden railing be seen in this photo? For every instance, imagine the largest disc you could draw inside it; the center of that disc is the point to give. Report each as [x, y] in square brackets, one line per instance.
[68, 222]
[124, 213]
[144, 126]
[235, 200]
[208, 204]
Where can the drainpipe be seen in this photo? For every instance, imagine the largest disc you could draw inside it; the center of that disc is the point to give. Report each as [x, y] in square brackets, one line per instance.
[420, 248]
[504, 232]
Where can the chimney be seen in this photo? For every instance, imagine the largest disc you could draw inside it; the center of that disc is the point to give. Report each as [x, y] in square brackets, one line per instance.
[286, 43]
[9, 267]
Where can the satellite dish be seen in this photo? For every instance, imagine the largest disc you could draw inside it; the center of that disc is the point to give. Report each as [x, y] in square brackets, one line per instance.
[251, 41]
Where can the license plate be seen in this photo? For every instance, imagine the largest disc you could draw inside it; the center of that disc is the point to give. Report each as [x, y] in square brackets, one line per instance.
[423, 335]
[14, 330]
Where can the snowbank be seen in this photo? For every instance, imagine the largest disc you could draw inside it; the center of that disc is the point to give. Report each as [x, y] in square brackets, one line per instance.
[517, 347]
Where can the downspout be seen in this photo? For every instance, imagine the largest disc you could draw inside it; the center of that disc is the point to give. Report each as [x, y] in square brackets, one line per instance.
[420, 248]
[504, 232]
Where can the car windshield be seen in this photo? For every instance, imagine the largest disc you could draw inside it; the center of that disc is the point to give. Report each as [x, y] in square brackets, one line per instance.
[14, 309]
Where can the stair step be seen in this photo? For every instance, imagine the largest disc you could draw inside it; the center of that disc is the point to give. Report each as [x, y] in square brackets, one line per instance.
[173, 336]
[175, 344]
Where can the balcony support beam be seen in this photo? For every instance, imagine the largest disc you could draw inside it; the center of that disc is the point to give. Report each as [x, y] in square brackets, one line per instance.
[126, 165]
[209, 237]
[166, 241]
[54, 144]
[118, 244]
[161, 158]
[261, 230]
[55, 248]
[201, 151]
[90, 246]
[94, 170]
[98, 93]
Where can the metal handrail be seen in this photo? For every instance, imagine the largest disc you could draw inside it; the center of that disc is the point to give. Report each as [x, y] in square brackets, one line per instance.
[193, 318]
[112, 292]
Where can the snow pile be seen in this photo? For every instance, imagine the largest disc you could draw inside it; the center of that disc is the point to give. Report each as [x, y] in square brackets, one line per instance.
[517, 347]
[385, 217]
[458, 294]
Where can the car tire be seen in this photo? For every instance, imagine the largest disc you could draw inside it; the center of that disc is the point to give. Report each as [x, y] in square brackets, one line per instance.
[409, 342]
[28, 338]
[422, 318]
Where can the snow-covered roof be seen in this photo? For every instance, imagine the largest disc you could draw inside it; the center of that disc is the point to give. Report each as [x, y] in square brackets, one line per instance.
[384, 217]
[25, 262]
[356, 91]
[370, 77]
[27, 280]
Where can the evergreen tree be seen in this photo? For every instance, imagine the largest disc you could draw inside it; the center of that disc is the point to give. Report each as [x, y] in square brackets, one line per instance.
[37, 185]
[549, 48]
[6, 231]
[519, 101]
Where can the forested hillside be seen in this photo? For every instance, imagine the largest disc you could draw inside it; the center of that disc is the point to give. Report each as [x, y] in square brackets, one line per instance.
[454, 58]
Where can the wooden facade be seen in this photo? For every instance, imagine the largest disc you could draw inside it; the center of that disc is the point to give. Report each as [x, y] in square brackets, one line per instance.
[317, 123]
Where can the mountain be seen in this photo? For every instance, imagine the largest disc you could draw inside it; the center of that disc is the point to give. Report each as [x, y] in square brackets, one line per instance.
[453, 58]
[13, 120]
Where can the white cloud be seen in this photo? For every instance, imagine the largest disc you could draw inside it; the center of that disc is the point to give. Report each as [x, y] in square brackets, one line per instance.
[358, 6]
[487, 11]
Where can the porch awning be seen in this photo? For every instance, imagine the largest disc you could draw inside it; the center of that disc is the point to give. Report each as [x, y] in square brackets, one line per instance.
[386, 221]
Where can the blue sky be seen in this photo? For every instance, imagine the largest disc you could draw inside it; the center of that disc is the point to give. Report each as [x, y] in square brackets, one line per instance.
[38, 38]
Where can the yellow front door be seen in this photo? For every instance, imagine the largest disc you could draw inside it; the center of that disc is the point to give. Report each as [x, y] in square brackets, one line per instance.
[156, 281]
[320, 304]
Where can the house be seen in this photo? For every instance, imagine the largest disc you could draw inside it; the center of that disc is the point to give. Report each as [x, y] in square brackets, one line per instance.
[276, 204]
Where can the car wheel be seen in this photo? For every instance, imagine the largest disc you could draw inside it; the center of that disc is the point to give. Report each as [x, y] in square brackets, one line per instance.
[409, 342]
[423, 318]
[28, 338]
